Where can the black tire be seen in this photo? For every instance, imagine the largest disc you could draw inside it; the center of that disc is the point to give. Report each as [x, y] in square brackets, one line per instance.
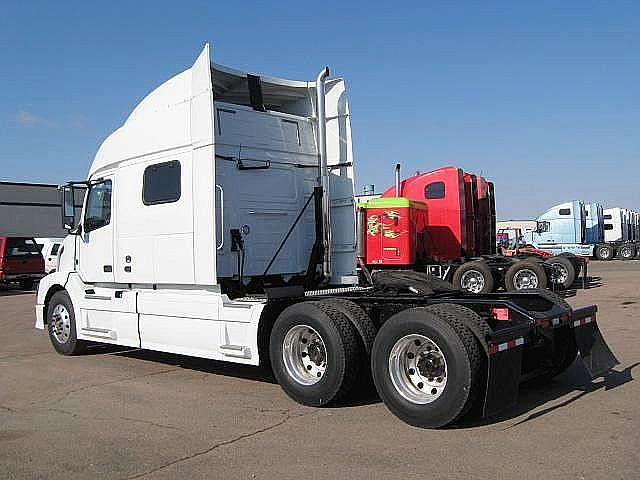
[463, 362]
[358, 318]
[461, 317]
[418, 282]
[367, 334]
[564, 271]
[26, 284]
[604, 252]
[69, 345]
[342, 346]
[627, 252]
[537, 276]
[477, 267]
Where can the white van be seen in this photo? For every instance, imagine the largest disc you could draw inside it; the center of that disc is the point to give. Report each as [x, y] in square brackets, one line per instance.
[49, 247]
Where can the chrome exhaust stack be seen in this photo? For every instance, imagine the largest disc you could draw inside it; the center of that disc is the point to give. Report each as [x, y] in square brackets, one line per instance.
[323, 171]
[397, 179]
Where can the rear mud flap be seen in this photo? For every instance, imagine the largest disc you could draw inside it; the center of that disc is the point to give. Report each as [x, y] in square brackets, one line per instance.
[594, 351]
[503, 379]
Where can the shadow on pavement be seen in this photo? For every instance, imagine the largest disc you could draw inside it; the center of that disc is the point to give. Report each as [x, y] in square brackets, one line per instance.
[261, 374]
[533, 395]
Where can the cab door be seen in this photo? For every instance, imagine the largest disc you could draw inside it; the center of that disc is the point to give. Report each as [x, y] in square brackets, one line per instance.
[95, 244]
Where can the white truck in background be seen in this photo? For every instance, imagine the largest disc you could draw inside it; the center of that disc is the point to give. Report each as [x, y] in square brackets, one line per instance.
[49, 247]
[219, 223]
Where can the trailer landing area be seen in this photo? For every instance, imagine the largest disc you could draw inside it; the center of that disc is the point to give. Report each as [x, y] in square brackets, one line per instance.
[141, 414]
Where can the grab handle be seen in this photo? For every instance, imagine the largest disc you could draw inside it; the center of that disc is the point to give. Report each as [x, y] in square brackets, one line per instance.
[219, 247]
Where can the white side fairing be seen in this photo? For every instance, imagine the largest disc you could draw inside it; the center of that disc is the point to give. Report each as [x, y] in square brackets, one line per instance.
[342, 189]
[204, 172]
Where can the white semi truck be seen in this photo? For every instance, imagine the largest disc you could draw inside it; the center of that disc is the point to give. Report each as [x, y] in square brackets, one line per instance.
[219, 223]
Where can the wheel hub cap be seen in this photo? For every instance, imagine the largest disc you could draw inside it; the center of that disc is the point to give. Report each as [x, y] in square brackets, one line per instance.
[472, 281]
[61, 323]
[561, 273]
[524, 279]
[304, 355]
[418, 369]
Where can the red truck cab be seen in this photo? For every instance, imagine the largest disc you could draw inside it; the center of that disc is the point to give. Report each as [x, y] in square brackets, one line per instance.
[20, 261]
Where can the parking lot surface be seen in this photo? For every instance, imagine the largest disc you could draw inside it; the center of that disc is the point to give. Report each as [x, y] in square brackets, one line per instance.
[125, 414]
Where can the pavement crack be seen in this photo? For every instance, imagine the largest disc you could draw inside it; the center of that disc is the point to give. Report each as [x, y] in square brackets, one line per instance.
[215, 446]
[66, 394]
[110, 419]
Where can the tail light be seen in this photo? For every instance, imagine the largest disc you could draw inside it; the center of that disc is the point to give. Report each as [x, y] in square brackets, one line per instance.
[2, 267]
[500, 314]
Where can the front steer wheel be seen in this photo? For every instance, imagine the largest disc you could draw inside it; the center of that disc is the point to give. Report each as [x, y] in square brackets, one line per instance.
[61, 324]
[426, 369]
[316, 354]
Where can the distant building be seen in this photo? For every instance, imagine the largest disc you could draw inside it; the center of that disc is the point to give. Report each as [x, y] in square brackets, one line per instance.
[524, 225]
[32, 209]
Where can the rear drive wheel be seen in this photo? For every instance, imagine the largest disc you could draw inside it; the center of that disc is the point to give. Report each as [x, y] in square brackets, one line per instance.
[627, 252]
[474, 277]
[524, 275]
[61, 324]
[425, 368]
[564, 272]
[315, 353]
[604, 252]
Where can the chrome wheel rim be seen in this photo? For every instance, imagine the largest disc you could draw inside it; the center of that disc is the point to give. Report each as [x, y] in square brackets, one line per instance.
[625, 252]
[561, 273]
[418, 369]
[60, 323]
[524, 279]
[472, 281]
[604, 252]
[304, 355]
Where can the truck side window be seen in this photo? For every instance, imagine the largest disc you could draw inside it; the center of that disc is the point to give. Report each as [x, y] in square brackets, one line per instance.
[98, 212]
[543, 227]
[55, 248]
[161, 183]
[608, 226]
[434, 190]
[565, 211]
[608, 217]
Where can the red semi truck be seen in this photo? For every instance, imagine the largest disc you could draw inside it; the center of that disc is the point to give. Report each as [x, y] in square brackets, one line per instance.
[443, 222]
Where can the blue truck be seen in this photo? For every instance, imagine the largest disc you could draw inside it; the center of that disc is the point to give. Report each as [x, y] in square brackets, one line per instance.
[578, 228]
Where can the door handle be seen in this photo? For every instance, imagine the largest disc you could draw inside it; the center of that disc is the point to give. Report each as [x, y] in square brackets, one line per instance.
[107, 268]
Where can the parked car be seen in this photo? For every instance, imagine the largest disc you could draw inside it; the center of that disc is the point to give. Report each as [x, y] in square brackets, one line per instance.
[20, 261]
[49, 247]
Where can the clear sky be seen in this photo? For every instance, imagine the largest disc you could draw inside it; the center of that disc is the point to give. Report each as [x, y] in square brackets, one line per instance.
[541, 97]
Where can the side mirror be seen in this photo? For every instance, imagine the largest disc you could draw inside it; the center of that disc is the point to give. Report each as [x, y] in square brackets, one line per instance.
[68, 207]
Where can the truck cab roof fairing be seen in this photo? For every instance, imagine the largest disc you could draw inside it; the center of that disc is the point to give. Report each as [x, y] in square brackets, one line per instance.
[160, 121]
